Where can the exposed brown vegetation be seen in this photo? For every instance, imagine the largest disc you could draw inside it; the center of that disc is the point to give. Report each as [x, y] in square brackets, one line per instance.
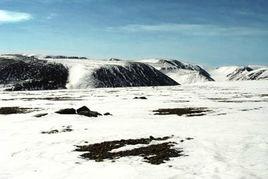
[15, 110]
[154, 154]
[182, 111]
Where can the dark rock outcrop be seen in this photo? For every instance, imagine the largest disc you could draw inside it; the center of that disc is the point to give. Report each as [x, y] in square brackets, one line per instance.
[141, 97]
[259, 74]
[83, 108]
[129, 75]
[41, 115]
[15, 110]
[87, 112]
[66, 111]
[29, 73]
[107, 114]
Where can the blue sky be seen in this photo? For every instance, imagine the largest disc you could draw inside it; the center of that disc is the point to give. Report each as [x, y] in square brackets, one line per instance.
[210, 32]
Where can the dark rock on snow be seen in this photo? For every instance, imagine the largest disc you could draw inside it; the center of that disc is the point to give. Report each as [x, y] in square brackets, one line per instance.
[142, 97]
[85, 111]
[15, 110]
[90, 113]
[41, 115]
[83, 108]
[55, 131]
[66, 111]
[107, 114]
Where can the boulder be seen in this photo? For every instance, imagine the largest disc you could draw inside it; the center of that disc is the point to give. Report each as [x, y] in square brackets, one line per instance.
[90, 113]
[83, 108]
[142, 97]
[66, 111]
[107, 114]
[87, 112]
[41, 115]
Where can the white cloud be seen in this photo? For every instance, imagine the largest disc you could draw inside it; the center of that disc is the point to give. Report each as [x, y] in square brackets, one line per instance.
[192, 29]
[12, 16]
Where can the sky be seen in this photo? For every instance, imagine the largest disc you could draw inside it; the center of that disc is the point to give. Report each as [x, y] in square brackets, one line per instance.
[209, 32]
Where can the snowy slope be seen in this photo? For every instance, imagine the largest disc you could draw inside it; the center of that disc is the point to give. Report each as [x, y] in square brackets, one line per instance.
[181, 72]
[112, 73]
[234, 73]
[81, 73]
[230, 142]
[239, 73]
[220, 73]
[258, 74]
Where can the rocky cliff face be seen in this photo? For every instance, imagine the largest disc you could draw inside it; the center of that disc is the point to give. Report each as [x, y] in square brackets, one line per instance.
[130, 74]
[258, 74]
[29, 73]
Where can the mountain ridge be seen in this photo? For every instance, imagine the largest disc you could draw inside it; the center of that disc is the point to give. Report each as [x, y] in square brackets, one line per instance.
[36, 72]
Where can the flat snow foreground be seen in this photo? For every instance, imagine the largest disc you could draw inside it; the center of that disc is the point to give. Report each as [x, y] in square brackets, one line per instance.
[214, 130]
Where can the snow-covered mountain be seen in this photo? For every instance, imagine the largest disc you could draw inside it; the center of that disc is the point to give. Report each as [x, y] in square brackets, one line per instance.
[31, 73]
[35, 72]
[239, 73]
[220, 73]
[258, 74]
[235, 73]
[181, 72]
[112, 73]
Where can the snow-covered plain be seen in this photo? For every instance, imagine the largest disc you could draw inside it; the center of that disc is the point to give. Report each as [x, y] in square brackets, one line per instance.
[231, 141]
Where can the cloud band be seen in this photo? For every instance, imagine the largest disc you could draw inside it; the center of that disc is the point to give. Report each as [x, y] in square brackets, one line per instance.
[12, 16]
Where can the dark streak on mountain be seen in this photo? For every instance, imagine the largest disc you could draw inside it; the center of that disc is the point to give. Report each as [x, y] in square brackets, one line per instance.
[173, 65]
[131, 74]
